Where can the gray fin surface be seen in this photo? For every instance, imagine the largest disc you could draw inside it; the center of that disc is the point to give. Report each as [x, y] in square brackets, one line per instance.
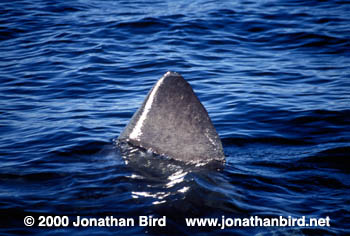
[173, 122]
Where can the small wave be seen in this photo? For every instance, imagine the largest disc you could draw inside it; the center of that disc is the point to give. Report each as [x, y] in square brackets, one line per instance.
[333, 158]
[265, 140]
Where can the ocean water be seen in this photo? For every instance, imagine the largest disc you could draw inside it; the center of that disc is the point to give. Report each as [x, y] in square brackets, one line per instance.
[273, 75]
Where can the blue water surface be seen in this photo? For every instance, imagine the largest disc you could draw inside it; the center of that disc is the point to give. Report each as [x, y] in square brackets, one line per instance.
[273, 75]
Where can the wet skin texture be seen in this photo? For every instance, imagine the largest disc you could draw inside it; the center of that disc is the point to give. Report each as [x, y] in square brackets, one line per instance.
[173, 122]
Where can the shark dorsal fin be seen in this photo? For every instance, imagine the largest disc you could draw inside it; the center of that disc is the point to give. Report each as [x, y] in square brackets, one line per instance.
[173, 122]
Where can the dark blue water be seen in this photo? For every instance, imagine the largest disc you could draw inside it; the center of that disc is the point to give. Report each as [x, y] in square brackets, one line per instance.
[273, 75]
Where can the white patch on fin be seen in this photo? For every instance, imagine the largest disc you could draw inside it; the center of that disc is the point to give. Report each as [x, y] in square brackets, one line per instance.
[137, 131]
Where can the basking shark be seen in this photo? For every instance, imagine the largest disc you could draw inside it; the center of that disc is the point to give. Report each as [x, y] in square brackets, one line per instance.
[173, 122]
